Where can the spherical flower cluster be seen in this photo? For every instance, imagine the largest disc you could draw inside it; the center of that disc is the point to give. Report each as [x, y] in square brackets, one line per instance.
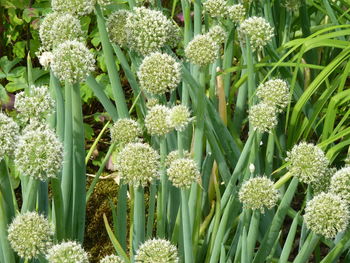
[263, 117]
[45, 30]
[72, 62]
[77, 7]
[30, 235]
[39, 153]
[307, 162]
[156, 120]
[322, 184]
[340, 184]
[179, 117]
[326, 214]
[215, 8]
[67, 252]
[218, 34]
[159, 73]
[37, 105]
[116, 27]
[103, 3]
[111, 259]
[157, 250]
[236, 13]
[138, 164]
[9, 132]
[202, 50]
[274, 92]
[125, 131]
[148, 30]
[258, 31]
[45, 59]
[63, 27]
[258, 193]
[183, 172]
[174, 155]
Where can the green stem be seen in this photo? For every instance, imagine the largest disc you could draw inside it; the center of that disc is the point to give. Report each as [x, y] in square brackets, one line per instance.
[79, 171]
[30, 197]
[6, 250]
[113, 74]
[251, 74]
[55, 84]
[284, 179]
[307, 249]
[186, 228]
[162, 204]
[93, 146]
[139, 219]
[6, 190]
[67, 170]
[252, 234]
[59, 210]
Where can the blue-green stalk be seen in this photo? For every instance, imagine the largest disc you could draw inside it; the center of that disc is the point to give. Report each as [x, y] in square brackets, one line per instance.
[30, 196]
[138, 236]
[113, 75]
[67, 170]
[56, 182]
[79, 168]
[162, 205]
[186, 228]
[6, 254]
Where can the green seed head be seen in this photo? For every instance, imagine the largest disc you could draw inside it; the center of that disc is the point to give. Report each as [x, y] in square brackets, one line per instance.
[157, 250]
[72, 61]
[138, 164]
[183, 172]
[112, 259]
[340, 184]
[77, 7]
[236, 13]
[148, 30]
[30, 235]
[258, 193]
[39, 152]
[202, 50]
[215, 8]
[9, 133]
[258, 31]
[179, 117]
[125, 131]
[307, 162]
[67, 252]
[275, 93]
[116, 27]
[263, 117]
[37, 105]
[156, 120]
[326, 214]
[159, 73]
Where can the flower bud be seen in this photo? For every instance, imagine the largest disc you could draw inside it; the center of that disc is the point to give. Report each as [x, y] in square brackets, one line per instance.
[340, 184]
[202, 50]
[112, 259]
[218, 34]
[215, 8]
[116, 27]
[274, 92]
[236, 13]
[77, 7]
[179, 117]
